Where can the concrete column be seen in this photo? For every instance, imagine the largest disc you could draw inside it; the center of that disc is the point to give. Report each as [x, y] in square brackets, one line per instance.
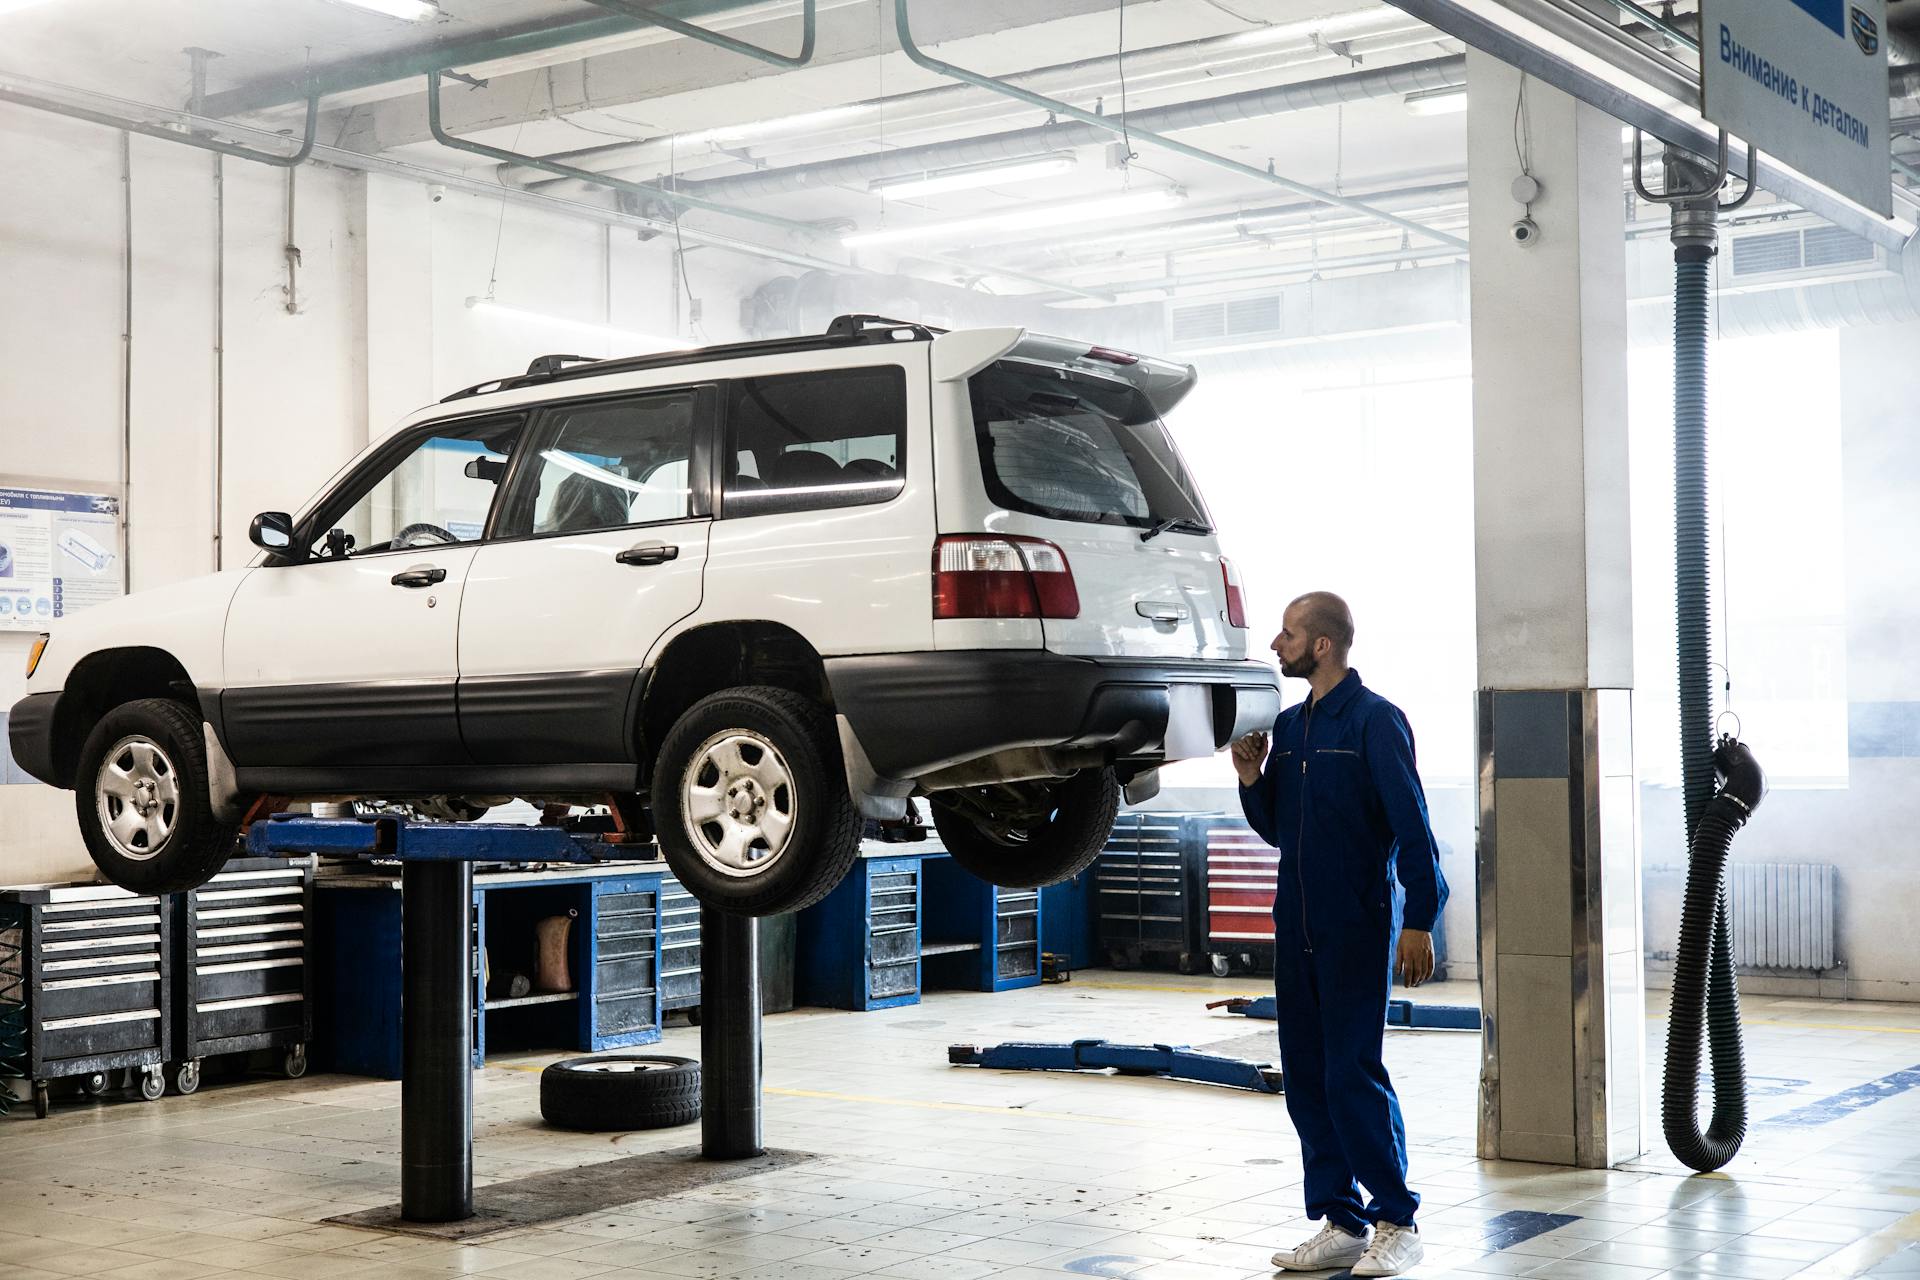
[1559, 906]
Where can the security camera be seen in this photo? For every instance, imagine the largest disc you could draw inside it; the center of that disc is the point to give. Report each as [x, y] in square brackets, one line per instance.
[1524, 232]
[436, 193]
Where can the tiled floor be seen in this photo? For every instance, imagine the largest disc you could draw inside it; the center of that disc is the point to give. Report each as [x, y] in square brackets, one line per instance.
[932, 1171]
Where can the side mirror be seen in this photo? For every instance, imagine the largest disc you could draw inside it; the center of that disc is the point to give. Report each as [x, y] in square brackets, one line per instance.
[272, 531]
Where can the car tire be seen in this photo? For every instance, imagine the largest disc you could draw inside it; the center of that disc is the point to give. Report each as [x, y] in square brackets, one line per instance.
[620, 1092]
[1060, 847]
[148, 821]
[735, 765]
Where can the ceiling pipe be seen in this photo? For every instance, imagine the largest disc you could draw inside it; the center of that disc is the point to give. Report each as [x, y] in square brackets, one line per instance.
[171, 125]
[26, 98]
[1127, 127]
[1364, 33]
[367, 71]
[653, 15]
[678, 199]
[1258, 104]
[664, 195]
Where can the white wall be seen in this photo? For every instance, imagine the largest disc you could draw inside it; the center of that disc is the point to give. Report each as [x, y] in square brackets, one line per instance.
[380, 328]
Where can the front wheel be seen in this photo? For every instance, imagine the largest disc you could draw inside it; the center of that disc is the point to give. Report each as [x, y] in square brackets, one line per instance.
[751, 804]
[142, 800]
[1026, 835]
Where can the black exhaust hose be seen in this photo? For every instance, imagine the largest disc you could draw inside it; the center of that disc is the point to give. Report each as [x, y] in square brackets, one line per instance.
[1706, 994]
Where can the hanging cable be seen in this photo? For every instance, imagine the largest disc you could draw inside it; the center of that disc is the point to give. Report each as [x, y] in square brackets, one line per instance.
[1120, 64]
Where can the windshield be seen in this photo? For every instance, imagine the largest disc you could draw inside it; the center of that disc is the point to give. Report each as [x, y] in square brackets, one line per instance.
[1071, 446]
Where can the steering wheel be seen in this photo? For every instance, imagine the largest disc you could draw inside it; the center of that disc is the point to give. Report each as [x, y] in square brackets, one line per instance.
[421, 535]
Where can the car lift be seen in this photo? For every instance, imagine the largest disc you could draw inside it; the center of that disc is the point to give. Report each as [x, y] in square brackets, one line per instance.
[1400, 1013]
[437, 962]
[1174, 1062]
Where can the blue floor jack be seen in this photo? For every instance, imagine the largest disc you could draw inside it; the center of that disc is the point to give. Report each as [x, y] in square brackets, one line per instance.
[1169, 1061]
[1400, 1013]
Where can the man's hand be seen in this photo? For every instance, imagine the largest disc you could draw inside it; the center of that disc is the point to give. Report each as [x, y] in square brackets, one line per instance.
[1249, 753]
[1414, 964]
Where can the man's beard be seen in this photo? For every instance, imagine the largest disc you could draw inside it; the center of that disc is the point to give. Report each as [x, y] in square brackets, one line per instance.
[1301, 670]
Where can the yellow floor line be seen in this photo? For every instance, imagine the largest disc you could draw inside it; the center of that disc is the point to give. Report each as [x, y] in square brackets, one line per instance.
[1866, 1254]
[972, 1108]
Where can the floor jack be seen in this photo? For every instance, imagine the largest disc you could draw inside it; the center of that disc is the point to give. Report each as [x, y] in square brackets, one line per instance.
[1169, 1061]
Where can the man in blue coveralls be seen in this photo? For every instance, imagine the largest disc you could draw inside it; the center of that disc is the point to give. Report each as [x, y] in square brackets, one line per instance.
[1340, 798]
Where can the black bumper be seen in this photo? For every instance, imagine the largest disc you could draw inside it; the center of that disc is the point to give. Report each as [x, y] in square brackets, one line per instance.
[30, 735]
[918, 712]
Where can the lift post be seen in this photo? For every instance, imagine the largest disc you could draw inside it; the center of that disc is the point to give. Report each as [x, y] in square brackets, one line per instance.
[439, 977]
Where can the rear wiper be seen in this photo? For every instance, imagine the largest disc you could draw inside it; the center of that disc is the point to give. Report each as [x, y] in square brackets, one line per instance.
[1175, 524]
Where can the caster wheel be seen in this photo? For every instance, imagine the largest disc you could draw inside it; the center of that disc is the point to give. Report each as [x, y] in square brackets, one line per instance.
[42, 1099]
[693, 1016]
[94, 1085]
[295, 1063]
[1187, 963]
[152, 1084]
[1221, 966]
[186, 1077]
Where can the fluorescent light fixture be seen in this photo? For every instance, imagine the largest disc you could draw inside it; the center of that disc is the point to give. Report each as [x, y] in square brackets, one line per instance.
[1025, 219]
[1425, 326]
[1437, 102]
[12, 6]
[501, 309]
[977, 175]
[748, 130]
[409, 10]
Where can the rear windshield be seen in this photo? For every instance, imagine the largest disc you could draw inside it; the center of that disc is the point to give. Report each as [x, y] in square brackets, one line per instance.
[1071, 446]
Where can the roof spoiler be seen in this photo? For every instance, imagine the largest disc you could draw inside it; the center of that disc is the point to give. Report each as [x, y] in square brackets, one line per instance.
[958, 356]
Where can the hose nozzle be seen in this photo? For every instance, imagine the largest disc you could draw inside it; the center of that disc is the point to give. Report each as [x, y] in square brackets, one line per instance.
[1739, 775]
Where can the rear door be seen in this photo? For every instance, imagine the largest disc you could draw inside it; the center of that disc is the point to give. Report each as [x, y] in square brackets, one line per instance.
[1084, 462]
[600, 549]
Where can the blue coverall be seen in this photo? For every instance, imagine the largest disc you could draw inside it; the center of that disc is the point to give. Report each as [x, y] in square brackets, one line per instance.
[1341, 799]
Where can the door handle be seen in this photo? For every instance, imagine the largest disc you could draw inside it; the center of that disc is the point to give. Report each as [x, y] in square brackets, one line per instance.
[649, 553]
[1161, 610]
[421, 575]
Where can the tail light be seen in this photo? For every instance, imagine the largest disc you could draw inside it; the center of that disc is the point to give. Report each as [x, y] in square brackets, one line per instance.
[979, 575]
[1236, 594]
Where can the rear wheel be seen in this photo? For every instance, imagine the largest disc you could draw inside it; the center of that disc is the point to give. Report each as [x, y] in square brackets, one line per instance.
[142, 801]
[751, 803]
[1026, 835]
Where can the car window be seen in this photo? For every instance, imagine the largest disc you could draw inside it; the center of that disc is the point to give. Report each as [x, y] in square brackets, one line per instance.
[1071, 446]
[609, 465]
[437, 492]
[806, 441]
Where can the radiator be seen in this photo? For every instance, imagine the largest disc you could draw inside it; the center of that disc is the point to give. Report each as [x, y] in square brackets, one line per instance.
[1782, 915]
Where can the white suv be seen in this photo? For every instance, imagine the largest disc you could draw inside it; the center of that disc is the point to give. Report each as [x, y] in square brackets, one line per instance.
[749, 596]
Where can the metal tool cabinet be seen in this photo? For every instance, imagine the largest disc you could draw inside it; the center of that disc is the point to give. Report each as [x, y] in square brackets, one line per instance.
[1150, 893]
[977, 936]
[90, 968]
[244, 981]
[679, 947]
[860, 947]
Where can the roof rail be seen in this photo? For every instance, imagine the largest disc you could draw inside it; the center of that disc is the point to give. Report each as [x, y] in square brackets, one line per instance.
[849, 330]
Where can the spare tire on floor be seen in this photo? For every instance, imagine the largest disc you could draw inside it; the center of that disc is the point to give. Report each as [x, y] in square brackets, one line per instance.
[611, 1092]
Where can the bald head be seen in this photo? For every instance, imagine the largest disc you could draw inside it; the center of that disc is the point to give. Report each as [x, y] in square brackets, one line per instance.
[1323, 614]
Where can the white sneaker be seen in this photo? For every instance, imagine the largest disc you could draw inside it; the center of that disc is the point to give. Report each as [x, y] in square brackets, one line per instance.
[1332, 1250]
[1394, 1249]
